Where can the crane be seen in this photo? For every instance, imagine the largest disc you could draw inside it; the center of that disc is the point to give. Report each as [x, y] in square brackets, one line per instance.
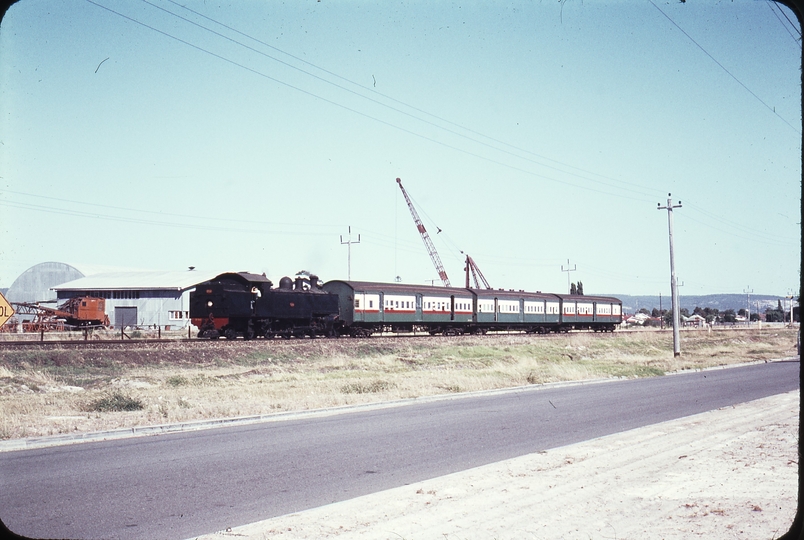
[431, 250]
[472, 266]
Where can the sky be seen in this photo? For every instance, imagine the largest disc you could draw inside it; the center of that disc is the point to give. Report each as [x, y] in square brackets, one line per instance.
[539, 137]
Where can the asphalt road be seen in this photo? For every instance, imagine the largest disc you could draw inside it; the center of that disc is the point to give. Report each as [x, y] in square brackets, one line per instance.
[181, 485]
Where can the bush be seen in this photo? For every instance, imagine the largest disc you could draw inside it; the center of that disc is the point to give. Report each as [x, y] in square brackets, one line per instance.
[176, 380]
[366, 388]
[115, 402]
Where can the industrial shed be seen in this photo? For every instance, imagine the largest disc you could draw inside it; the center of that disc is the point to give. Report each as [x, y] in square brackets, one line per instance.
[140, 299]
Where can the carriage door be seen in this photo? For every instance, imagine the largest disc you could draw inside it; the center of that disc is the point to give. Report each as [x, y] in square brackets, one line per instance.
[360, 307]
[496, 310]
[452, 307]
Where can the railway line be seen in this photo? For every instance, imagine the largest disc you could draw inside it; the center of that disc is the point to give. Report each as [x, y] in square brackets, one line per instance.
[106, 343]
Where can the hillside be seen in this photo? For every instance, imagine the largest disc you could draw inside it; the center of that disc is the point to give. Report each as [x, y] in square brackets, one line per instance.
[722, 302]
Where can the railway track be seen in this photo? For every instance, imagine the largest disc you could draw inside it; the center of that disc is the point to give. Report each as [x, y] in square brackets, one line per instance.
[195, 342]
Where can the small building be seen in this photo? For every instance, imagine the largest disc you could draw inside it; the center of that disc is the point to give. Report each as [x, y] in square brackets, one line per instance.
[694, 320]
[140, 299]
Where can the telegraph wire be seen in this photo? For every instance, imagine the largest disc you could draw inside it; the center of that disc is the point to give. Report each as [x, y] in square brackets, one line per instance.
[189, 216]
[729, 73]
[770, 242]
[366, 115]
[390, 98]
[140, 221]
[446, 145]
[776, 9]
[633, 187]
[761, 236]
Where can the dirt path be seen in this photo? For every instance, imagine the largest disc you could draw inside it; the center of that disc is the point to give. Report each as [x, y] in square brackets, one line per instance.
[724, 474]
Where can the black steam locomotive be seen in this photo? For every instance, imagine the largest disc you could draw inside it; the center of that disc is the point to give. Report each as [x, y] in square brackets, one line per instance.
[248, 305]
[244, 304]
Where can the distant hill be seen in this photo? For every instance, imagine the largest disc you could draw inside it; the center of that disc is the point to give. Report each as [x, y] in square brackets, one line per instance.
[722, 302]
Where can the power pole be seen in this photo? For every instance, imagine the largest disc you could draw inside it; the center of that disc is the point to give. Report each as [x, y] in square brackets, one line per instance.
[349, 251]
[673, 283]
[748, 291]
[661, 315]
[790, 297]
[568, 270]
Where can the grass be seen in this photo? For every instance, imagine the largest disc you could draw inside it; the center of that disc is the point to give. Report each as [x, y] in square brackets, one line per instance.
[50, 392]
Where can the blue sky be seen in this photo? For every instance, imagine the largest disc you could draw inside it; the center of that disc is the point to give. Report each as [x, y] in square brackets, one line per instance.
[252, 135]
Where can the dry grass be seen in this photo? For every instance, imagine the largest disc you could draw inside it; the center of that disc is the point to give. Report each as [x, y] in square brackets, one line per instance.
[59, 391]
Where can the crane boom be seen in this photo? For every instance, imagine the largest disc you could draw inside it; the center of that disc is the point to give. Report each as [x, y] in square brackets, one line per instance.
[431, 250]
[471, 266]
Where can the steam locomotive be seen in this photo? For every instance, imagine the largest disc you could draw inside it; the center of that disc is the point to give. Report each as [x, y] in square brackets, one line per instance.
[244, 304]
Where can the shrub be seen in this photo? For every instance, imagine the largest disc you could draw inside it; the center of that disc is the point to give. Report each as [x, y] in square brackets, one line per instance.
[176, 380]
[116, 401]
[366, 388]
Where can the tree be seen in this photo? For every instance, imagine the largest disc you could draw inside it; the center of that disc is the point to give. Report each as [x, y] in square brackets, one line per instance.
[774, 315]
[580, 288]
[741, 313]
[573, 289]
[729, 316]
[655, 313]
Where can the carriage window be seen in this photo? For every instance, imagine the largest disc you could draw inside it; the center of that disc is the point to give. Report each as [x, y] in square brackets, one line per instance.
[357, 303]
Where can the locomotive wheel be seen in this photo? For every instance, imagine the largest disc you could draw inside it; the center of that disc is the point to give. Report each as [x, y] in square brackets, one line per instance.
[268, 335]
[249, 334]
[230, 333]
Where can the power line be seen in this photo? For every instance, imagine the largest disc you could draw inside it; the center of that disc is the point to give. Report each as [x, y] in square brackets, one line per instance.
[461, 150]
[776, 9]
[390, 98]
[188, 216]
[730, 74]
[389, 124]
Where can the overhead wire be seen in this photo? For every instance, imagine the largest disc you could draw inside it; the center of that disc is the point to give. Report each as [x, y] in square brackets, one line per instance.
[390, 98]
[156, 212]
[776, 10]
[430, 139]
[729, 73]
[630, 187]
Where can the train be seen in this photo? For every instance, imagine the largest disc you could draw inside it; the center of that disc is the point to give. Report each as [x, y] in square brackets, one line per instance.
[241, 304]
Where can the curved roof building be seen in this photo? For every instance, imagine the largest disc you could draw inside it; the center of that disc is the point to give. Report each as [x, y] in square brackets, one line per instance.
[35, 283]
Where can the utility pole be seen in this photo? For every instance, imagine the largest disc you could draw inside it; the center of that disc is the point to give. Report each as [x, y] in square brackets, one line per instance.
[568, 270]
[748, 291]
[661, 315]
[790, 297]
[673, 283]
[349, 250]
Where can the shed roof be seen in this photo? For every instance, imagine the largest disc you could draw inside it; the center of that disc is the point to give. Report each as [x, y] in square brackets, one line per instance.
[174, 281]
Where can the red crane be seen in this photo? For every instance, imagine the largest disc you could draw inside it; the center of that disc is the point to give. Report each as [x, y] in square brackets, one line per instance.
[431, 250]
[472, 266]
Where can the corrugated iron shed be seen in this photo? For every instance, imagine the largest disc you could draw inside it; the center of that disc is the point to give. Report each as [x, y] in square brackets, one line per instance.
[150, 281]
